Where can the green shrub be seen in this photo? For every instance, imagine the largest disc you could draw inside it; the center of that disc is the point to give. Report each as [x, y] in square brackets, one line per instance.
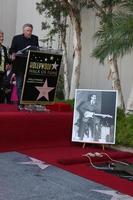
[124, 129]
[60, 88]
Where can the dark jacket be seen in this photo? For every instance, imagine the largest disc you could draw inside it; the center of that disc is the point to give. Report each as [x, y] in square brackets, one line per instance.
[19, 42]
[6, 83]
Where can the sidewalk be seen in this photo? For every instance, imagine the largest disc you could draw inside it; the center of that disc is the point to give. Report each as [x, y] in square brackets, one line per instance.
[121, 148]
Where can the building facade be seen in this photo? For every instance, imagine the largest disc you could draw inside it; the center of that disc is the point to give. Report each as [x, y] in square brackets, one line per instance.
[15, 13]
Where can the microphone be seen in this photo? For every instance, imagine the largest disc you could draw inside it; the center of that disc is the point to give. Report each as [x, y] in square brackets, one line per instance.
[23, 50]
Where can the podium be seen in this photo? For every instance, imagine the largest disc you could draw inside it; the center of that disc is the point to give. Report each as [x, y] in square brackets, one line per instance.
[21, 59]
[41, 76]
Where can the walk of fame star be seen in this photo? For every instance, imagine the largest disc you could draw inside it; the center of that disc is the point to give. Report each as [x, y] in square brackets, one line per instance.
[54, 66]
[37, 162]
[44, 90]
[115, 195]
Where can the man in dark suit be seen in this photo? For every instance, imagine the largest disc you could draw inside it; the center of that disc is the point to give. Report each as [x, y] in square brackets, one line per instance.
[18, 52]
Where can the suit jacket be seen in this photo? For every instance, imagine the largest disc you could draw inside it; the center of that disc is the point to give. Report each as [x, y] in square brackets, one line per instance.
[6, 80]
[19, 42]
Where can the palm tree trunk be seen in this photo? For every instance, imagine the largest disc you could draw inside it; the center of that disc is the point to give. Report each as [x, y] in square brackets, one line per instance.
[129, 107]
[116, 84]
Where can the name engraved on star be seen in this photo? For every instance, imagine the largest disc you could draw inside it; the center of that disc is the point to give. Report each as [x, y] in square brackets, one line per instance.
[31, 80]
[52, 73]
[37, 71]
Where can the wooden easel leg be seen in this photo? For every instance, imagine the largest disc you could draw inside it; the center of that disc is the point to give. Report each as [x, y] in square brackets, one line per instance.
[83, 145]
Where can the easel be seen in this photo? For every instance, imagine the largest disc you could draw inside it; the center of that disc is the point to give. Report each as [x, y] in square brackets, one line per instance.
[103, 146]
[83, 146]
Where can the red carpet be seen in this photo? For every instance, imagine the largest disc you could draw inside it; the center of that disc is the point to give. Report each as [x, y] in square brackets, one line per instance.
[73, 152]
[47, 136]
[22, 129]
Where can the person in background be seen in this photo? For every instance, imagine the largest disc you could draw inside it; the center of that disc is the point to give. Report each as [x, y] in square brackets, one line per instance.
[3, 59]
[14, 97]
[20, 44]
[6, 85]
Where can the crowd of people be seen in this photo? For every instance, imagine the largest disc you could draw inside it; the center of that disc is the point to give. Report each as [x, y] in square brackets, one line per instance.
[13, 64]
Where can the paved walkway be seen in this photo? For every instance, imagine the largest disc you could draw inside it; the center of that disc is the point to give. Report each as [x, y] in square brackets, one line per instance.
[121, 148]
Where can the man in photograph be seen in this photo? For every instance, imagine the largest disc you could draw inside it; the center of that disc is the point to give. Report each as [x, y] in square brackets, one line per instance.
[89, 122]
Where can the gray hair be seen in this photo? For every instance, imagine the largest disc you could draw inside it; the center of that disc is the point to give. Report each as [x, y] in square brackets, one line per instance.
[28, 25]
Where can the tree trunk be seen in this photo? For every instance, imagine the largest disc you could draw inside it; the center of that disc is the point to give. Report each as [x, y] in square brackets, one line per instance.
[130, 102]
[116, 85]
[76, 59]
[66, 82]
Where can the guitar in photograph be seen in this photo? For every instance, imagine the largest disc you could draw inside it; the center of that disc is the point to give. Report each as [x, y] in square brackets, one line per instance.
[89, 114]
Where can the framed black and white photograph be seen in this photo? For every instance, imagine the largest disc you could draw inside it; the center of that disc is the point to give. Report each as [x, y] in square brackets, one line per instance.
[94, 118]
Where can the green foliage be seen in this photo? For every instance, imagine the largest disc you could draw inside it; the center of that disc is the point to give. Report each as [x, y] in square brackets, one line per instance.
[56, 11]
[59, 10]
[107, 3]
[124, 129]
[71, 102]
[120, 126]
[60, 88]
[68, 101]
[115, 34]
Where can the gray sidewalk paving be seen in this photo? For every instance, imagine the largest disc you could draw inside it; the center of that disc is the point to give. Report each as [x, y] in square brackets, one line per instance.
[24, 178]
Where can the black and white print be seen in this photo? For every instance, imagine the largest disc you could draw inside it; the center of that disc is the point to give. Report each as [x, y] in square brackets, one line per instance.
[94, 116]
